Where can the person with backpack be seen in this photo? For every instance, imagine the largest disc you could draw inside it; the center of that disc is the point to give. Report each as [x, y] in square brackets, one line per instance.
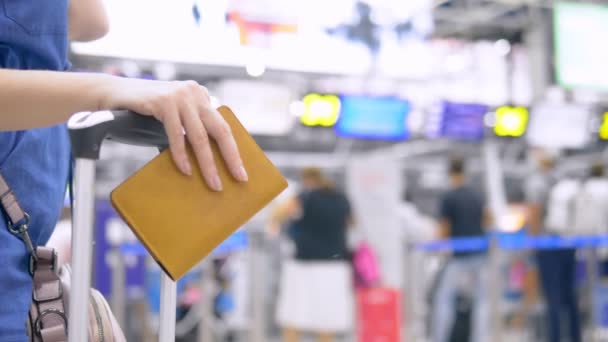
[551, 210]
[38, 95]
[463, 214]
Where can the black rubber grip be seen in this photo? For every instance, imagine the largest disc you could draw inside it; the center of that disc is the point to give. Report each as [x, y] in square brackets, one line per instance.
[127, 128]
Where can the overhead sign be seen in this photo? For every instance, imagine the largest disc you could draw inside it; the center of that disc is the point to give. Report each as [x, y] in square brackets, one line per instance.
[559, 125]
[603, 132]
[373, 118]
[457, 121]
[320, 110]
[511, 121]
[580, 61]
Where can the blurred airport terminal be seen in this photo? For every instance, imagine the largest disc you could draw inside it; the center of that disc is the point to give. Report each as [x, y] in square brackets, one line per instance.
[445, 158]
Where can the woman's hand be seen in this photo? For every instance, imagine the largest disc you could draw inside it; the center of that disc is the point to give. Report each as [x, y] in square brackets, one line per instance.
[183, 107]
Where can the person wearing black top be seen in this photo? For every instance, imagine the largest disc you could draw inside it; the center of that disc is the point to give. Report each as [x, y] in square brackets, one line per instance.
[462, 214]
[316, 293]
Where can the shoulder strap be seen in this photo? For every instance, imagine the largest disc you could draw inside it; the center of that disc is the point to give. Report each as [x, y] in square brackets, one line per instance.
[12, 209]
[47, 313]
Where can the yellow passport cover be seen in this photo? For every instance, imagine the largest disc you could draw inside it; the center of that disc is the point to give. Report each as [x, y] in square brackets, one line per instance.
[178, 218]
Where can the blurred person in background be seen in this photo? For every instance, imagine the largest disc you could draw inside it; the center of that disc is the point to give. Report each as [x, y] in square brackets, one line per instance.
[316, 290]
[462, 214]
[591, 218]
[591, 211]
[556, 267]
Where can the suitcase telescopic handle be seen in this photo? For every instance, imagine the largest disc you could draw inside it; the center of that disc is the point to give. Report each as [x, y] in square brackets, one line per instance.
[88, 130]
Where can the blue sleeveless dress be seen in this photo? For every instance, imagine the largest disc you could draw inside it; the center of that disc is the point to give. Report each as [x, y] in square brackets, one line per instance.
[33, 35]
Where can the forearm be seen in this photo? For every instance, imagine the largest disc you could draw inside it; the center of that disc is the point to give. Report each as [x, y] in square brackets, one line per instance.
[33, 99]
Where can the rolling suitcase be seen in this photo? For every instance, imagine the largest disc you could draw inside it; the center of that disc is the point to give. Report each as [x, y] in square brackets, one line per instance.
[88, 131]
[378, 314]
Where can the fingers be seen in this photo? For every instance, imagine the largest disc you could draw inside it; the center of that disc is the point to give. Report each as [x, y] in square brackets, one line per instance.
[221, 132]
[173, 127]
[199, 139]
[186, 107]
[219, 129]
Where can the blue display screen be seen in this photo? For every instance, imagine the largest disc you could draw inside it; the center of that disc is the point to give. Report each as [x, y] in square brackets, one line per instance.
[462, 121]
[373, 118]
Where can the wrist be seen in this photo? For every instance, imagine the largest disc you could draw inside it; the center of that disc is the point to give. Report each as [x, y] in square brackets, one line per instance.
[107, 88]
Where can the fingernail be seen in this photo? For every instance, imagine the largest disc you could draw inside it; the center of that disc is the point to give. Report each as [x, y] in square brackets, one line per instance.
[186, 168]
[216, 183]
[242, 175]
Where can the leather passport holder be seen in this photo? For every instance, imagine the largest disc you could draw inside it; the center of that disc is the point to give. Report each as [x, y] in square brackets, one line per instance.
[178, 218]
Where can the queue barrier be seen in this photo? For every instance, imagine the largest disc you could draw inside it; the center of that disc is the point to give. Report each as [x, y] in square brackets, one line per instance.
[514, 242]
[238, 241]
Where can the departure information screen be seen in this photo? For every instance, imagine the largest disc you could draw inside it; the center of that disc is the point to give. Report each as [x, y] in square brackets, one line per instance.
[559, 125]
[458, 121]
[580, 31]
[373, 118]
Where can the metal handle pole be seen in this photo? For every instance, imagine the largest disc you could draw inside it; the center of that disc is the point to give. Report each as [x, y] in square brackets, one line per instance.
[87, 132]
[82, 238]
[119, 298]
[168, 307]
[258, 313]
[205, 327]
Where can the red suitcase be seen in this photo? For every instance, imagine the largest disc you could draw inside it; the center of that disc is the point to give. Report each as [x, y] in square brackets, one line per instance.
[378, 315]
